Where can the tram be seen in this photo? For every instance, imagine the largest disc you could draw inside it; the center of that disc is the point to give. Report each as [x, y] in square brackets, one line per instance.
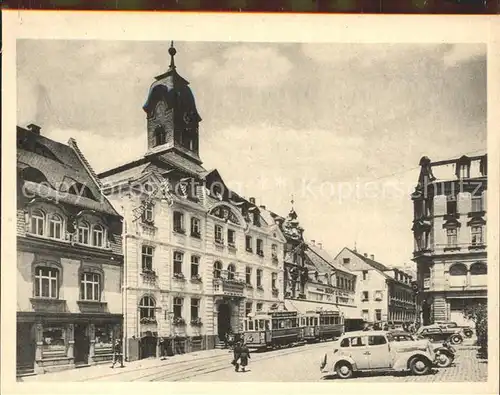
[320, 325]
[265, 330]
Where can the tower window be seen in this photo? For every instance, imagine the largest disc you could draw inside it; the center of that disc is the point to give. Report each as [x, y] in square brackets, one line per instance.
[160, 135]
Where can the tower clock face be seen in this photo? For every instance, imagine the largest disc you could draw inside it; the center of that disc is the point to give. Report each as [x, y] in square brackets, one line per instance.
[187, 117]
[161, 108]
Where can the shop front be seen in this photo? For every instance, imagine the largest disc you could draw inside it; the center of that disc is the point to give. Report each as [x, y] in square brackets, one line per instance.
[51, 342]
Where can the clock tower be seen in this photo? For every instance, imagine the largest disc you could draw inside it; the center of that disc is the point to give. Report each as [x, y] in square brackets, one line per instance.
[172, 117]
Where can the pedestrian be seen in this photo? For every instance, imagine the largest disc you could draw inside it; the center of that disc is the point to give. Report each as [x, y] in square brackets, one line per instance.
[244, 356]
[163, 349]
[236, 356]
[117, 354]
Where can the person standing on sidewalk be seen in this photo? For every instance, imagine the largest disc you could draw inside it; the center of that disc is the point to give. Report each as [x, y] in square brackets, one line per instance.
[244, 355]
[117, 354]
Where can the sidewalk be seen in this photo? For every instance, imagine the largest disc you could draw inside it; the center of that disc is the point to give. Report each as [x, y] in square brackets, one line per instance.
[91, 372]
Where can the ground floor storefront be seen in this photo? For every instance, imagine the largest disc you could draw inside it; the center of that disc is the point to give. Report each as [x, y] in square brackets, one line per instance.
[57, 341]
[450, 306]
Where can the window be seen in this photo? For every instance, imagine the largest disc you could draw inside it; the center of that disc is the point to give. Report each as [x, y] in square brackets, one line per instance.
[55, 226]
[90, 287]
[478, 269]
[376, 340]
[464, 171]
[217, 269]
[357, 342]
[248, 243]
[218, 234]
[178, 258]
[260, 247]
[274, 252]
[451, 234]
[365, 274]
[451, 205]
[378, 296]
[231, 237]
[178, 307]
[103, 337]
[195, 227]
[160, 136]
[83, 233]
[147, 308]
[477, 204]
[274, 280]
[195, 308]
[365, 315]
[147, 258]
[259, 306]
[378, 315]
[37, 222]
[195, 266]
[231, 270]
[458, 270]
[345, 343]
[248, 275]
[346, 261]
[365, 296]
[178, 222]
[477, 235]
[46, 282]
[248, 308]
[98, 236]
[53, 339]
[259, 278]
[148, 214]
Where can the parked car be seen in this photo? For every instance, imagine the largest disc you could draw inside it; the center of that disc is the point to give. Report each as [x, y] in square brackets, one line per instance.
[445, 353]
[377, 350]
[436, 333]
[467, 330]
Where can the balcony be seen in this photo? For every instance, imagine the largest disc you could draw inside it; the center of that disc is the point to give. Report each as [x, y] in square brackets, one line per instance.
[227, 287]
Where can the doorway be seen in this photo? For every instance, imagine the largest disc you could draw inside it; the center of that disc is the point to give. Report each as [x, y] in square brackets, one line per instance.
[82, 344]
[148, 346]
[223, 320]
[25, 347]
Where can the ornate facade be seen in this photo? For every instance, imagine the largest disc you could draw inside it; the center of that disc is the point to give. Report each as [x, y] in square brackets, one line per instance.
[449, 228]
[198, 256]
[69, 261]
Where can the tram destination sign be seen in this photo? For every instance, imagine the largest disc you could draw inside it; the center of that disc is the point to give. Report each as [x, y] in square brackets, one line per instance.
[284, 314]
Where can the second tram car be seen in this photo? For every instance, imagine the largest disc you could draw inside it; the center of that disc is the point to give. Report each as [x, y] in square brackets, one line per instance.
[321, 325]
[273, 329]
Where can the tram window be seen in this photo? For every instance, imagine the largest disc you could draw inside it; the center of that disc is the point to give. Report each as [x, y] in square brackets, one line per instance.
[322, 320]
[267, 325]
[250, 325]
[275, 324]
[282, 323]
[316, 321]
[246, 324]
[304, 321]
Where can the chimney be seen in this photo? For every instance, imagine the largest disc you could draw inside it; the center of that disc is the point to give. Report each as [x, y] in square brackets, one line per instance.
[262, 207]
[372, 257]
[313, 242]
[366, 255]
[252, 200]
[320, 245]
[34, 128]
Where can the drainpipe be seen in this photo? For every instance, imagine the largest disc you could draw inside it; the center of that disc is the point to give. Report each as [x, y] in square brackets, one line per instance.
[124, 288]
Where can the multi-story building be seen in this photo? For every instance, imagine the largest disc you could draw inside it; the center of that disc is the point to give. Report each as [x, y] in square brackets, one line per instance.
[449, 228]
[383, 294]
[69, 259]
[198, 257]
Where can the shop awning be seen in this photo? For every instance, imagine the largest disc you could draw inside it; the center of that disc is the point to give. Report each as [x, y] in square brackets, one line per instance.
[306, 306]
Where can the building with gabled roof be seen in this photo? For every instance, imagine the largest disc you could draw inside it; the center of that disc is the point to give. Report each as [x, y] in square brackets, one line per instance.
[383, 294]
[70, 258]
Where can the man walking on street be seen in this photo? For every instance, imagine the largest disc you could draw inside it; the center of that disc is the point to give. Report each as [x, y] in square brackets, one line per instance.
[117, 354]
[236, 356]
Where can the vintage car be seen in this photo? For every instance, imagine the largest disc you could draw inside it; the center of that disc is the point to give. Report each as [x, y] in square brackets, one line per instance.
[377, 350]
[436, 333]
[467, 330]
[445, 353]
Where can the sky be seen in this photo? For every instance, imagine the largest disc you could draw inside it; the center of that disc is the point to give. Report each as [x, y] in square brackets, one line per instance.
[339, 127]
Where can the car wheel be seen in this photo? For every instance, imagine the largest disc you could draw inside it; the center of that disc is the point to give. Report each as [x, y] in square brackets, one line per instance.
[468, 333]
[419, 366]
[344, 370]
[456, 339]
[444, 360]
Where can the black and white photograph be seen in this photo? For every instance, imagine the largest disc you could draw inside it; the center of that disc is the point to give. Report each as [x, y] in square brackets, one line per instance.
[245, 211]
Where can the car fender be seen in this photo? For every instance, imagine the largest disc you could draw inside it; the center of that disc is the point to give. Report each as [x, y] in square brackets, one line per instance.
[403, 362]
[344, 359]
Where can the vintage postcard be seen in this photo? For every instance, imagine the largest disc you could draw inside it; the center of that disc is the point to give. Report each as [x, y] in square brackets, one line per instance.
[297, 203]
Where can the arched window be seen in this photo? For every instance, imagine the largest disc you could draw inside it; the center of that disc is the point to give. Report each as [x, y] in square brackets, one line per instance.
[160, 135]
[46, 282]
[38, 222]
[33, 175]
[458, 269]
[81, 190]
[231, 270]
[55, 226]
[217, 269]
[478, 269]
[147, 308]
[98, 236]
[83, 233]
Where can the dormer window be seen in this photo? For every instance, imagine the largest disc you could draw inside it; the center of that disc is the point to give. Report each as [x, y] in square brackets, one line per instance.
[55, 226]
[81, 190]
[464, 171]
[37, 222]
[83, 233]
[160, 136]
[98, 236]
[148, 214]
[463, 168]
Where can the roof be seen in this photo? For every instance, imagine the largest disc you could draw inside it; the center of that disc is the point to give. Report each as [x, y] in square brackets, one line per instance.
[365, 333]
[305, 306]
[376, 265]
[62, 165]
[317, 254]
